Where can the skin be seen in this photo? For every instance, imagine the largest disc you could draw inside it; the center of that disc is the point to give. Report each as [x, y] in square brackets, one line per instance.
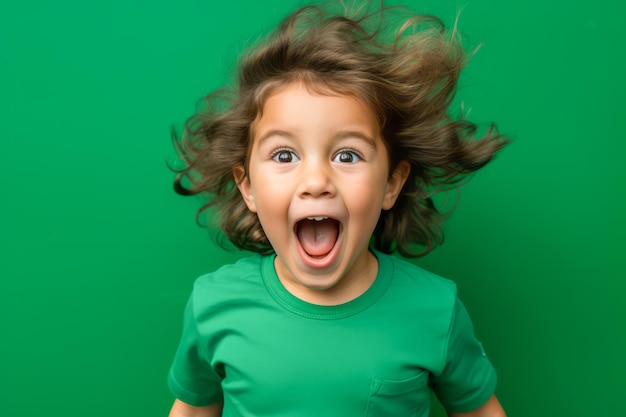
[320, 156]
[181, 409]
[491, 408]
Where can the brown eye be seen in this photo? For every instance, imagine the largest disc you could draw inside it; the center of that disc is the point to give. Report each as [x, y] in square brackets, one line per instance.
[347, 157]
[284, 156]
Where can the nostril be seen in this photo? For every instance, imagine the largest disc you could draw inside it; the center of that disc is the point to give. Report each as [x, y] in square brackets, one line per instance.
[316, 185]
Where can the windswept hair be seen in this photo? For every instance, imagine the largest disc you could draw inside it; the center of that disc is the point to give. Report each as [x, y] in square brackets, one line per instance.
[406, 70]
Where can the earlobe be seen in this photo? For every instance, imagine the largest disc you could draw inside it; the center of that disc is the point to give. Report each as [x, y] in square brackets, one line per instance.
[395, 184]
[243, 183]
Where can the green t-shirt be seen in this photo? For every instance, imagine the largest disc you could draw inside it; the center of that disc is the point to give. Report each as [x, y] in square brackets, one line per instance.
[250, 343]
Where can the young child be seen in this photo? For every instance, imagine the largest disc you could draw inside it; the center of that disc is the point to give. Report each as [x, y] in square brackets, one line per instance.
[323, 160]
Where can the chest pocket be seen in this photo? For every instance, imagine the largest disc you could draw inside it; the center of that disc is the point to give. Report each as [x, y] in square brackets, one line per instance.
[406, 398]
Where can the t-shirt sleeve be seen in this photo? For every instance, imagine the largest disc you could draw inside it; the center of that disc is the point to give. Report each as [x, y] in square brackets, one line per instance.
[191, 378]
[468, 379]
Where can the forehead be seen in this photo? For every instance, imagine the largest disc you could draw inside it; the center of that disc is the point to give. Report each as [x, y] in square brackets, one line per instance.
[314, 105]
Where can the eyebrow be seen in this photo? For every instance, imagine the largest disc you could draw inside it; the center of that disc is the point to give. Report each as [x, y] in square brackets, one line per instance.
[275, 132]
[338, 136]
[356, 134]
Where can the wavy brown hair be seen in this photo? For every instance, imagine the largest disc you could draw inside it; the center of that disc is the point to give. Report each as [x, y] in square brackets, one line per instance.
[404, 67]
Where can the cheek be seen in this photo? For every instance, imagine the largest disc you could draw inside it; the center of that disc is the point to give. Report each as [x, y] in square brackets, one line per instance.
[367, 196]
[271, 197]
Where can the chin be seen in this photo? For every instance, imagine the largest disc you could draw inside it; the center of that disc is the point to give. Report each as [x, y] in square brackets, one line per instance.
[314, 283]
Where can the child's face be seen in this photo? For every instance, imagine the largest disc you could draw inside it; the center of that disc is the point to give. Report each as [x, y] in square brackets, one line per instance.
[318, 178]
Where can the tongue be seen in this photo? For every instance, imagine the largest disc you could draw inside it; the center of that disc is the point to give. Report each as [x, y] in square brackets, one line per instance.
[318, 237]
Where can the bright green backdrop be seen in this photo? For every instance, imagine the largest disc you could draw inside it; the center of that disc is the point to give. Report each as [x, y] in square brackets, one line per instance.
[97, 254]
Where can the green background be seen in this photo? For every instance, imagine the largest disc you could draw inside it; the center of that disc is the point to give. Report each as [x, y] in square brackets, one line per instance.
[97, 254]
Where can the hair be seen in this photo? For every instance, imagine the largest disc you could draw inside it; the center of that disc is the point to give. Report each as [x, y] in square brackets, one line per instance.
[405, 72]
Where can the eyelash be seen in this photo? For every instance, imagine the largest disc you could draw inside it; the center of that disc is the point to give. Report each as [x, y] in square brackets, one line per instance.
[351, 151]
[275, 154]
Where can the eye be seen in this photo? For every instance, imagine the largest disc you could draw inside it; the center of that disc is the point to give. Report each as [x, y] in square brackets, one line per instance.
[284, 156]
[347, 156]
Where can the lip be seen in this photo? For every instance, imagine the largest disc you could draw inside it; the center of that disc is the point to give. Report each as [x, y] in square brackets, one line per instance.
[312, 215]
[329, 259]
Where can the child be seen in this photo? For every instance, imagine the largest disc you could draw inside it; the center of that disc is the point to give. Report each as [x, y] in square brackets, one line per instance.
[323, 161]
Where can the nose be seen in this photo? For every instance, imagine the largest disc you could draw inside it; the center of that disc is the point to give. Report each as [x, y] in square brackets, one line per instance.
[316, 180]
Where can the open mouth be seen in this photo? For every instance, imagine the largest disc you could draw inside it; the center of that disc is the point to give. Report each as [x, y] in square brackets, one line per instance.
[317, 235]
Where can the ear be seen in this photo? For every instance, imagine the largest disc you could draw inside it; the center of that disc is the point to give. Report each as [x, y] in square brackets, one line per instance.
[243, 183]
[395, 184]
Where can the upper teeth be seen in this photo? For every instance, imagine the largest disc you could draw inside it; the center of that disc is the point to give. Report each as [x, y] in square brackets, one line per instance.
[317, 218]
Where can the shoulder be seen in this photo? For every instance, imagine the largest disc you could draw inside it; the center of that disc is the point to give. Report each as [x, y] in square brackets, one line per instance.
[420, 293]
[418, 281]
[244, 270]
[229, 283]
